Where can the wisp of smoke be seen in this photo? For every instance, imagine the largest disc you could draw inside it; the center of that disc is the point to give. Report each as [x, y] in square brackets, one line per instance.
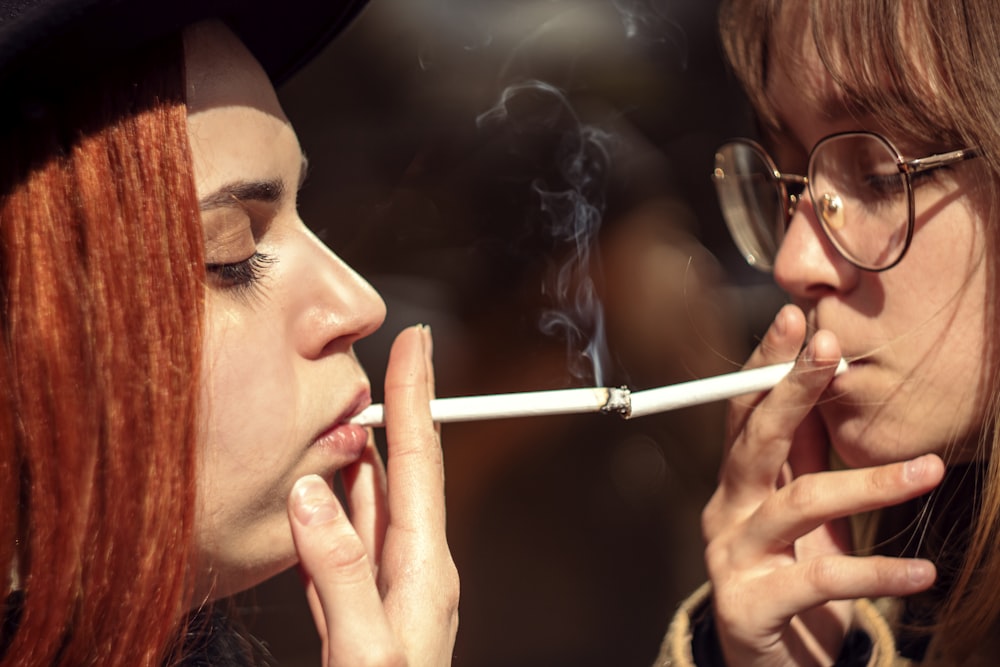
[572, 203]
[573, 208]
[649, 21]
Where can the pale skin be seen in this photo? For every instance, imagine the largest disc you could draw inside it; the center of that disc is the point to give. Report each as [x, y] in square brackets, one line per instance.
[280, 383]
[778, 550]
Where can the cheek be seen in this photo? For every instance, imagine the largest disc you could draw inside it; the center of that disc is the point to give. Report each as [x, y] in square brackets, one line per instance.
[944, 325]
[935, 390]
[247, 397]
[942, 283]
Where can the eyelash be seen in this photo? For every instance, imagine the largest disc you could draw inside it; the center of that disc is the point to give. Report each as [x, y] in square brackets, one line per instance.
[241, 276]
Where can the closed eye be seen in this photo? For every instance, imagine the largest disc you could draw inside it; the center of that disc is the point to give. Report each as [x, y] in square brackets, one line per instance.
[241, 277]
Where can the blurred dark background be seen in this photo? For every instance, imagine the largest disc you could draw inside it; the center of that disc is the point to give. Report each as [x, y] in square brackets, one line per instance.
[529, 178]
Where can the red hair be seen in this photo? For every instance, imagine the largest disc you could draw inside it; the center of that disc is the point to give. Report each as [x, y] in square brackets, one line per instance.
[101, 289]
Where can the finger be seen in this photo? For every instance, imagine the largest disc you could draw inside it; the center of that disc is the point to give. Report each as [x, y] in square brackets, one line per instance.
[335, 561]
[810, 453]
[763, 606]
[315, 606]
[811, 583]
[757, 455]
[365, 485]
[415, 462]
[428, 343]
[417, 572]
[782, 342]
[815, 499]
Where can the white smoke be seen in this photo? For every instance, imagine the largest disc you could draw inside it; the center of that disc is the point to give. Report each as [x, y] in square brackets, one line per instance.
[574, 209]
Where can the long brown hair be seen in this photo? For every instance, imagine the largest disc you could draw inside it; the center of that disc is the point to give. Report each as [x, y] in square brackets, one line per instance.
[932, 70]
[101, 289]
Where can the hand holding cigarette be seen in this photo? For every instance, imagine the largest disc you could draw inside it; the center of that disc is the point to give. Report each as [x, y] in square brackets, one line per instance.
[617, 400]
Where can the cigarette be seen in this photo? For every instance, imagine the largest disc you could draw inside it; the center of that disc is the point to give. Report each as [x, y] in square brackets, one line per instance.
[612, 400]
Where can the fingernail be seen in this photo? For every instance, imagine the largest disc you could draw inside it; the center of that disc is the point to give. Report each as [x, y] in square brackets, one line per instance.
[913, 470]
[779, 322]
[313, 502]
[920, 572]
[425, 330]
[809, 353]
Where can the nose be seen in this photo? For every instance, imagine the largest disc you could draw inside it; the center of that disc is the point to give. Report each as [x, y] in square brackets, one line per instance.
[334, 306]
[807, 264]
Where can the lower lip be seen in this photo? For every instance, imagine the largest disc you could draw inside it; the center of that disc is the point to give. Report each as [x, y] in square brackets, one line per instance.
[348, 440]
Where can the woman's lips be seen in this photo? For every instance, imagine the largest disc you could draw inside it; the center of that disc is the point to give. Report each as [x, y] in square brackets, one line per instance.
[343, 437]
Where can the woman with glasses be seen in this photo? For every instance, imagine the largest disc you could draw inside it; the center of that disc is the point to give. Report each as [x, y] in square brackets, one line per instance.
[856, 515]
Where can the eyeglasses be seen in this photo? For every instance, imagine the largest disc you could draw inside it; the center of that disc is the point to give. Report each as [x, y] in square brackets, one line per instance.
[860, 187]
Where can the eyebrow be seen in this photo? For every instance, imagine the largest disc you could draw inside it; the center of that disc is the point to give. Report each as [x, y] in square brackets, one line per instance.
[267, 191]
[231, 194]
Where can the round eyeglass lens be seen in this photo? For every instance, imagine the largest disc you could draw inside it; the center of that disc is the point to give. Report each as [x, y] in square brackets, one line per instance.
[751, 200]
[862, 198]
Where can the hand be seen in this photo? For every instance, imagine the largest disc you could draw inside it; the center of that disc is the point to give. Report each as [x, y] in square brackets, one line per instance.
[382, 587]
[778, 547]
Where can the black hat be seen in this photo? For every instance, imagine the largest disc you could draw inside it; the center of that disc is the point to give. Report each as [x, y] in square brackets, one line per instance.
[282, 34]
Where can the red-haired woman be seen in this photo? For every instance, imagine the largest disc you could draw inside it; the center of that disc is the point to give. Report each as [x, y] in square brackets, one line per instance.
[177, 371]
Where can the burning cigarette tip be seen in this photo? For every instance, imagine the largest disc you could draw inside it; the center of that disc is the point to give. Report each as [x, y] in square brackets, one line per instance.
[619, 402]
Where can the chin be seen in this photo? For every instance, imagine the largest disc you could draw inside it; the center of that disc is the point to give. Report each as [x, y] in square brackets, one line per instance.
[859, 455]
[862, 439]
[874, 447]
[224, 579]
[862, 443]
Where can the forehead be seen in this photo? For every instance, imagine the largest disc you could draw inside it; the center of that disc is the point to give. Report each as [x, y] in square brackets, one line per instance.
[221, 72]
[236, 128]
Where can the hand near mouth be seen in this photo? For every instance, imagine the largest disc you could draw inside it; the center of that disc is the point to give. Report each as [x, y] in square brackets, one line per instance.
[779, 553]
[382, 586]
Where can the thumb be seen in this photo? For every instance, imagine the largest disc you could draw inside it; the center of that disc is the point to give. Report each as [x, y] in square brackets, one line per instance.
[334, 559]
